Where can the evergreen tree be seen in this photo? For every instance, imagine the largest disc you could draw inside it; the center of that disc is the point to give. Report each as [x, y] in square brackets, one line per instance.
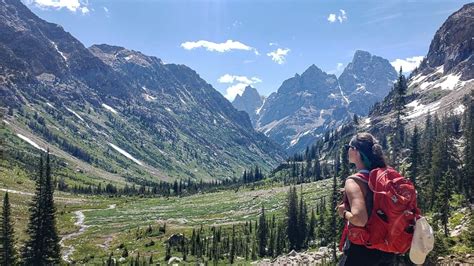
[302, 223]
[312, 226]
[254, 249]
[316, 168]
[292, 218]
[51, 238]
[34, 246]
[7, 240]
[443, 196]
[42, 248]
[232, 247]
[414, 156]
[468, 169]
[333, 231]
[280, 239]
[262, 233]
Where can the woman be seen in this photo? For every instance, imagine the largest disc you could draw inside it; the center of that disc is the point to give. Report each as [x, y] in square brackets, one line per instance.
[365, 152]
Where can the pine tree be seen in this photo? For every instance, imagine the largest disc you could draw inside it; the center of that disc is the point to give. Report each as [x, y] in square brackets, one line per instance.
[333, 231]
[443, 196]
[414, 156]
[312, 226]
[468, 169]
[34, 246]
[7, 243]
[302, 223]
[280, 239]
[51, 238]
[232, 247]
[262, 233]
[292, 218]
[42, 248]
[254, 249]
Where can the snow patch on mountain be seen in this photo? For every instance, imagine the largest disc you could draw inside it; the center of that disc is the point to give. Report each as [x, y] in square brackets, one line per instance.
[268, 127]
[260, 108]
[459, 110]
[149, 98]
[74, 113]
[342, 93]
[109, 108]
[450, 82]
[298, 136]
[61, 53]
[124, 153]
[419, 109]
[32, 143]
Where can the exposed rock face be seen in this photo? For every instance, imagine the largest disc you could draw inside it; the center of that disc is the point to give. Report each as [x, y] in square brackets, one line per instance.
[302, 108]
[443, 79]
[366, 80]
[452, 46]
[250, 102]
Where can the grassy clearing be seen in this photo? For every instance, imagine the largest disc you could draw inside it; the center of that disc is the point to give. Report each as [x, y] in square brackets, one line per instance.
[108, 228]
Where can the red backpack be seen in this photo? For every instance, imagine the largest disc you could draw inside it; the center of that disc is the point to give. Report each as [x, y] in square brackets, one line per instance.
[394, 212]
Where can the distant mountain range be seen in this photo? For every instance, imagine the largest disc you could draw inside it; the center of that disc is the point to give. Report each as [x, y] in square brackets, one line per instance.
[110, 111]
[307, 105]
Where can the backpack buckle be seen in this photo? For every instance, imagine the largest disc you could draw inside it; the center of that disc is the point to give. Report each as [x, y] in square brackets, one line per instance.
[394, 199]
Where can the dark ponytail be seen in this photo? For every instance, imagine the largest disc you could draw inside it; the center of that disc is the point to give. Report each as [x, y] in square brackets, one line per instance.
[371, 151]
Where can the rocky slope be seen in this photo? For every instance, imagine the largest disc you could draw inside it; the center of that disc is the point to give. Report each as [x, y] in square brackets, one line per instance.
[117, 110]
[443, 79]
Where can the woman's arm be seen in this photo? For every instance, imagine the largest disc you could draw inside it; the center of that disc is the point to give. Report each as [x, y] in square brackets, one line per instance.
[358, 214]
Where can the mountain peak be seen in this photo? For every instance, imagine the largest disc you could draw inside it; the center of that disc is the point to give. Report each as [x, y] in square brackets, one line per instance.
[249, 101]
[312, 69]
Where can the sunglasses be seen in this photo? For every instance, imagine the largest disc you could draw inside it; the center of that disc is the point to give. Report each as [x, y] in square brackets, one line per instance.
[348, 146]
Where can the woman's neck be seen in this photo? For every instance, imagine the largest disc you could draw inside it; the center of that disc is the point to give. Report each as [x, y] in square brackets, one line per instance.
[360, 166]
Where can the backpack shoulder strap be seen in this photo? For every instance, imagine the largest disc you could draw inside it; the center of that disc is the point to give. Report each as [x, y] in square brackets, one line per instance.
[360, 176]
[368, 196]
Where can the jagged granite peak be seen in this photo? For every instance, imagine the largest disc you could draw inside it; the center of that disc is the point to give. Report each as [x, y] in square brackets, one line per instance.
[366, 80]
[165, 116]
[303, 107]
[250, 102]
[452, 46]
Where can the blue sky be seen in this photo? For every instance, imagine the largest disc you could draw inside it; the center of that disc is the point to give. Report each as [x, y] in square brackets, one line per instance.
[235, 43]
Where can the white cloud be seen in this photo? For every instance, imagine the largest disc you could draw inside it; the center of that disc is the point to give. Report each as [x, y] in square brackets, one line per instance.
[107, 11]
[408, 64]
[341, 17]
[242, 79]
[227, 46]
[338, 70]
[84, 10]
[332, 18]
[72, 5]
[238, 84]
[279, 55]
